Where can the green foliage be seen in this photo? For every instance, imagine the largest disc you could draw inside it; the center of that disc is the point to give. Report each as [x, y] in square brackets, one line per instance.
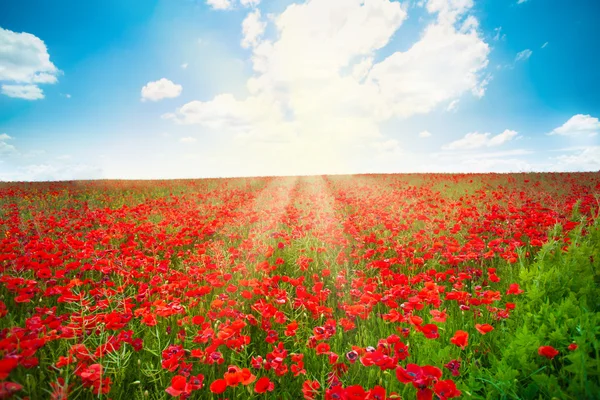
[560, 306]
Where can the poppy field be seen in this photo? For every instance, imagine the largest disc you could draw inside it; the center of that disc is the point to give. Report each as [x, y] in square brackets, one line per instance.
[325, 287]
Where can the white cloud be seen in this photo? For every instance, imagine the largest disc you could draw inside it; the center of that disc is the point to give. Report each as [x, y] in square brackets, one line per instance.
[27, 92]
[498, 34]
[187, 139]
[6, 148]
[523, 55]
[25, 59]
[440, 67]
[24, 63]
[578, 125]
[252, 29]
[184, 65]
[160, 89]
[317, 90]
[250, 3]
[502, 138]
[68, 96]
[521, 1]
[449, 10]
[424, 134]
[453, 106]
[588, 159]
[220, 4]
[224, 111]
[362, 68]
[544, 45]
[475, 140]
[471, 140]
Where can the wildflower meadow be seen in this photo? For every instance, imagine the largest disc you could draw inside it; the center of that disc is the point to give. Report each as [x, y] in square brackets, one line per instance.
[380, 287]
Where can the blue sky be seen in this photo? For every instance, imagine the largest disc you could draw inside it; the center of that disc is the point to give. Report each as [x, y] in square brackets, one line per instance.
[204, 88]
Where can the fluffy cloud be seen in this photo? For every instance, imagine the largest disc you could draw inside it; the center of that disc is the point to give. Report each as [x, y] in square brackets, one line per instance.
[224, 111]
[6, 148]
[523, 55]
[475, 140]
[502, 138]
[252, 29]
[250, 3]
[187, 139]
[27, 92]
[586, 159]
[449, 10]
[317, 90]
[24, 63]
[578, 125]
[160, 89]
[416, 81]
[220, 4]
[424, 134]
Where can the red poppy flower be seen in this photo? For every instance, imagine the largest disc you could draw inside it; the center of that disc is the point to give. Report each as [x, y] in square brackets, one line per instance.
[263, 385]
[418, 376]
[354, 392]
[291, 329]
[484, 328]
[547, 351]
[430, 331]
[6, 365]
[377, 393]
[424, 394]
[218, 386]
[7, 389]
[322, 348]
[439, 316]
[196, 382]
[446, 389]
[454, 367]
[514, 289]
[246, 377]
[178, 386]
[460, 338]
